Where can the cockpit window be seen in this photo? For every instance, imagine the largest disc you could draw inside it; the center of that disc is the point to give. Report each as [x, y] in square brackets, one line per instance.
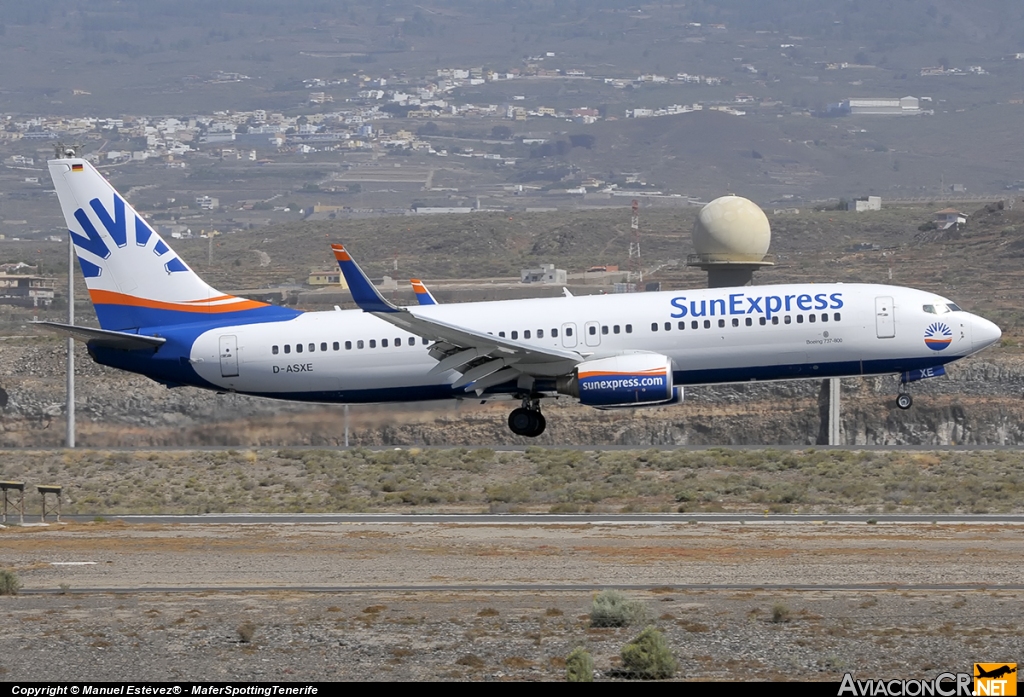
[930, 309]
[953, 307]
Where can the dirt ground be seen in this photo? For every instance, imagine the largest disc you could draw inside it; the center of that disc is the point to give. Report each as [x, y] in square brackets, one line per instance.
[422, 601]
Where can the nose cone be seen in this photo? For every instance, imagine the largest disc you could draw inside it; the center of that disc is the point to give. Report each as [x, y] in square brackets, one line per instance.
[984, 333]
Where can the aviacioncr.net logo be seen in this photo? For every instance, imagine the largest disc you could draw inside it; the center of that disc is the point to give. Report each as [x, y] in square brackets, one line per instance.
[995, 679]
[943, 685]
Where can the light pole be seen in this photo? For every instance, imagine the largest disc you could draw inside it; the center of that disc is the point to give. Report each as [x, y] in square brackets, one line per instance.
[69, 440]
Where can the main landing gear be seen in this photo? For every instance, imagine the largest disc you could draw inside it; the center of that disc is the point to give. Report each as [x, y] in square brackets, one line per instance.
[904, 400]
[527, 419]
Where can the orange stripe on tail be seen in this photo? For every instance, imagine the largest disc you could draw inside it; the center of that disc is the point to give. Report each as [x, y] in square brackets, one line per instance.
[109, 297]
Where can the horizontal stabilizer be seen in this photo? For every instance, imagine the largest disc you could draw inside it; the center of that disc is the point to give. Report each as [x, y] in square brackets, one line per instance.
[104, 337]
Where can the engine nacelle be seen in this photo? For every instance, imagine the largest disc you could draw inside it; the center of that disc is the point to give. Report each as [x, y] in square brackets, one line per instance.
[632, 379]
[677, 398]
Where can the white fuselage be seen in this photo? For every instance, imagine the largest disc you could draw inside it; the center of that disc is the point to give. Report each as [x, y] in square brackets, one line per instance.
[757, 332]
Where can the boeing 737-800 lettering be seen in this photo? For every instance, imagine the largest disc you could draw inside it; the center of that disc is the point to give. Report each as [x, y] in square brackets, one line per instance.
[159, 319]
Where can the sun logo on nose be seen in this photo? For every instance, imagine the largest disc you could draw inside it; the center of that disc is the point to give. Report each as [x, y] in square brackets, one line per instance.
[938, 336]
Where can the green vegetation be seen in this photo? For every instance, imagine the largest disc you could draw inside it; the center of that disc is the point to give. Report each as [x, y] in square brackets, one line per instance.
[10, 584]
[579, 666]
[105, 483]
[648, 656]
[614, 609]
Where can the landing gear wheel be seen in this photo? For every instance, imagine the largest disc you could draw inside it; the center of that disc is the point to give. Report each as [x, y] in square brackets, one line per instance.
[540, 425]
[904, 400]
[526, 422]
[520, 421]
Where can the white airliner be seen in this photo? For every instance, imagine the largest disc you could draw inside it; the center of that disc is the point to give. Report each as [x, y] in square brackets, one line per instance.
[159, 319]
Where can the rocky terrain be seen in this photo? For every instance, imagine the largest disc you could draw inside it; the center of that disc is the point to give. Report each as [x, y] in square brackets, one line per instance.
[979, 402]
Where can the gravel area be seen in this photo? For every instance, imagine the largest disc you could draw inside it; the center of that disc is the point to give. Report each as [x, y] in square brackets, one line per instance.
[379, 634]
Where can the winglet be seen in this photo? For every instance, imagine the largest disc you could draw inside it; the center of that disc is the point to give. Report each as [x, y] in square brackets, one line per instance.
[423, 296]
[367, 297]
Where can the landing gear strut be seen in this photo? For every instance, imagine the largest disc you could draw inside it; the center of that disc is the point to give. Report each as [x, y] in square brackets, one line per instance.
[527, 419]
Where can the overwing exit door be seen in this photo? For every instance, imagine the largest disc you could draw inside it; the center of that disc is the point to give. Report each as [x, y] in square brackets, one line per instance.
[569, 335]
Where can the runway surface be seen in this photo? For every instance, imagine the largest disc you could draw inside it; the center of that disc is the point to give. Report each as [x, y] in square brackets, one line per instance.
[517, 553]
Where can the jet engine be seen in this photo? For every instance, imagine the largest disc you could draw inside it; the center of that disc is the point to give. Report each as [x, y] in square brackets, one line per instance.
[633, 379]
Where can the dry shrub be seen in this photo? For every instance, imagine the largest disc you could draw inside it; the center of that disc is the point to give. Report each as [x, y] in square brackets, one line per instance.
[648, 657]
[246, 632]
[614, 609]
[579, 666]
[10, 584]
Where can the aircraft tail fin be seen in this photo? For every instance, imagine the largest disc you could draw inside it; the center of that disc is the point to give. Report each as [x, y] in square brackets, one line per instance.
[135, 279]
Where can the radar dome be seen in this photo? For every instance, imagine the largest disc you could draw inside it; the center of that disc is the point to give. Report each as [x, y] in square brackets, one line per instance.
[732, 228]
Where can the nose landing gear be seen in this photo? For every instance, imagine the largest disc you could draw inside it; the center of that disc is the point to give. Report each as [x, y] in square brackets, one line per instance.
[527, 419]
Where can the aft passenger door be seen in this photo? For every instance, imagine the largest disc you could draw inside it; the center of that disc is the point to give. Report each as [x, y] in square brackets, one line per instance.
[885, 318]
[229, 356]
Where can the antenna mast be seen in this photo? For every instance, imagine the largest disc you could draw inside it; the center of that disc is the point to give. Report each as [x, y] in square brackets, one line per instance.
[636, 272]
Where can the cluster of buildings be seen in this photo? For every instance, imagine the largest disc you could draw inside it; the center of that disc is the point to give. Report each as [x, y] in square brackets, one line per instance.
[880, 106]
[22, 287]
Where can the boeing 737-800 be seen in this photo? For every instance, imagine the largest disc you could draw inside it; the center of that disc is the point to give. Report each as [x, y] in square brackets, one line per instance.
[159, 319]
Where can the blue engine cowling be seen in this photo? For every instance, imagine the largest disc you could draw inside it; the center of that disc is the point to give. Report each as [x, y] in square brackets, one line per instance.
[632, 379]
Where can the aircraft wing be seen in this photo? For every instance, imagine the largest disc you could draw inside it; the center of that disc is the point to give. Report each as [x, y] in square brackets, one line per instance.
[104, 337]
[483, 359]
